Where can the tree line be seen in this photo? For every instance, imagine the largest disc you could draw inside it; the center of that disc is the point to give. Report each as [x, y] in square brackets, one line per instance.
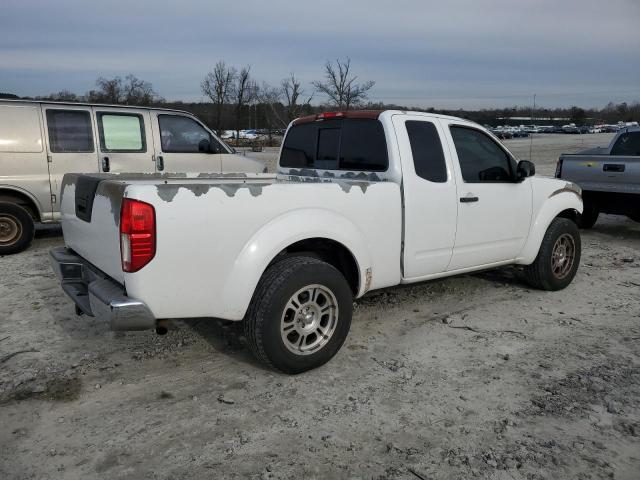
[236, 100]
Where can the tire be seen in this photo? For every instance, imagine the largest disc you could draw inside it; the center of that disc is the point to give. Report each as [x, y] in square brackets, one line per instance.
[589, 216]
[550, 270]
[272, 311]
[16, 228]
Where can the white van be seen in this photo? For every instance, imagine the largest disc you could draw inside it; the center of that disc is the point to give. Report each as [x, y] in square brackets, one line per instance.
[40, 142]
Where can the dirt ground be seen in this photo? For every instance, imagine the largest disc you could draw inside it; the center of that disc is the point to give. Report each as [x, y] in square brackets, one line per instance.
[474, 376]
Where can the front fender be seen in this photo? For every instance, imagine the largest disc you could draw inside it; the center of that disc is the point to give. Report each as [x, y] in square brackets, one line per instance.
[278, 234]
[558, 201]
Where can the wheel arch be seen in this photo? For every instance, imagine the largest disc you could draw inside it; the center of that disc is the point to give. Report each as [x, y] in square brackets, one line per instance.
[564, 205]
[22, 198]
[325, 234]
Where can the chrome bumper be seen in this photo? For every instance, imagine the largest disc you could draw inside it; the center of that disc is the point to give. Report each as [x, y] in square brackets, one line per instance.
[96, 295]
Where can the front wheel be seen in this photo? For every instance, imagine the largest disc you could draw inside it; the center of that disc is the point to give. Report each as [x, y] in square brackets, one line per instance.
[300, 314]
[558, 258]
[16, 228]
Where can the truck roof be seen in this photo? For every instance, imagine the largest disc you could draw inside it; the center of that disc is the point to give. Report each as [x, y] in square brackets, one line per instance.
[372, 114]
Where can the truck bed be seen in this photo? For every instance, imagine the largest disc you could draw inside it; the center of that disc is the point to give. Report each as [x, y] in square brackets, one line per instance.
[212, 223]
[602, 173]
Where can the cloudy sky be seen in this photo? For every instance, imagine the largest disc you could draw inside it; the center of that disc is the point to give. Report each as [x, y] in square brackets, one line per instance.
[448, 54]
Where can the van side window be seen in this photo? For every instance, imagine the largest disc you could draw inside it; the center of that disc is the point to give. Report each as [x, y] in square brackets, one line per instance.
[627, 144]
[426, 149]
[20, 129]
[481, 159]
[69, 131]
[180, 134]
[121, 132]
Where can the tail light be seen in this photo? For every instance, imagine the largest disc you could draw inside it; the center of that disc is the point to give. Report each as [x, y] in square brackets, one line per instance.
[559, 168]
[137, 234]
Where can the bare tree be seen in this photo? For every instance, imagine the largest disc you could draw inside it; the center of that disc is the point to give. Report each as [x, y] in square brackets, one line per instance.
[342, 90]
[243, 93]
[217, 85]
[136, 91]
[291, 91]
[131, 91]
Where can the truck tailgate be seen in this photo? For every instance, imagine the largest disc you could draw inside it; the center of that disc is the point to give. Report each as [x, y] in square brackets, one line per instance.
[90, 208]
[603, 172]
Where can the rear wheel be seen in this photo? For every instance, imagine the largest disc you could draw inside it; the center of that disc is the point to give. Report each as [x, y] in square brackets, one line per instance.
[558, 258]
[16, 228]
[589, 216]
[300, 314]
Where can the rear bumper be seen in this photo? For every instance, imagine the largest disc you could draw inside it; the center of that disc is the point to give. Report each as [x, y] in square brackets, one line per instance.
[96, 295]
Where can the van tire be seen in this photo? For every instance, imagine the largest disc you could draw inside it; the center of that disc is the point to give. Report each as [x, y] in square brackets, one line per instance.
[266, 318]
[548, 272]
[16, 228]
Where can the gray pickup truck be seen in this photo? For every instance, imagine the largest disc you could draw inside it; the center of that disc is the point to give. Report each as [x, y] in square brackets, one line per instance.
[609, 177]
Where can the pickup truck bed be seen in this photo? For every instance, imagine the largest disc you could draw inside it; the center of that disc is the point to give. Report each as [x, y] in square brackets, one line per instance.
[609, 177]
[220, 210]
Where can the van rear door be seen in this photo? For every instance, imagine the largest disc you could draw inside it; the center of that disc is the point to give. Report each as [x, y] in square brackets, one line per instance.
[125, 140]
[71, 143]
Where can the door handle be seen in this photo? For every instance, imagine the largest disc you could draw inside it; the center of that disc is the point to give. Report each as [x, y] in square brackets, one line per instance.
[613, 167]
[160, 163]
[468, 199]
[105, 164]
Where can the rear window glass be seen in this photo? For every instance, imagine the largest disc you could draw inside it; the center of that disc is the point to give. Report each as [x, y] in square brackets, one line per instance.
[627, 144]
[20, 129]
[337, 144]
[426, 148]
[121, 132]
[69, 131]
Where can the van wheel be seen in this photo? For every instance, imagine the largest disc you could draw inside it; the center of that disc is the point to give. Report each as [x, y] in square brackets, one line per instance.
[16, 228]
[589, 216]
[300, 314]
[558, 259]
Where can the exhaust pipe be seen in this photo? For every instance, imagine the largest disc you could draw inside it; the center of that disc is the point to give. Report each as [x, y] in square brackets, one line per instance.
[162, 327]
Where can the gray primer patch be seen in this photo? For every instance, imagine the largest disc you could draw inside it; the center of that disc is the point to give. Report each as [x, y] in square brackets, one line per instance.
[167, 192]
[113, 192]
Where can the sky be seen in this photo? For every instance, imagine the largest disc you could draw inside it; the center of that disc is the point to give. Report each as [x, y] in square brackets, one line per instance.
[442, 54]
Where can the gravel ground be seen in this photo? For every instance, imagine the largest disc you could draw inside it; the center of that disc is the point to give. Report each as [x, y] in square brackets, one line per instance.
[474, 376]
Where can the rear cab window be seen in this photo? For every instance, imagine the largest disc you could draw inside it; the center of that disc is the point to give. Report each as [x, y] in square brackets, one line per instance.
[627, 144]
[349, 144]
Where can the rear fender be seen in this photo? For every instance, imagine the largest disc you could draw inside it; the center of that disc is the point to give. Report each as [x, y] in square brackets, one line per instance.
[277, 235]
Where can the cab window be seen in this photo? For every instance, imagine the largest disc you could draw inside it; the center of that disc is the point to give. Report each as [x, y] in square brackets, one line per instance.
[481, 159]
[180, 134]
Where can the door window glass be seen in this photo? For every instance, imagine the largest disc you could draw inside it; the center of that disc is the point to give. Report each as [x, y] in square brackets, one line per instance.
[69, 131]
[627, 144]
[481, 159]
[180, 134]
[426, 148]
[121, 132]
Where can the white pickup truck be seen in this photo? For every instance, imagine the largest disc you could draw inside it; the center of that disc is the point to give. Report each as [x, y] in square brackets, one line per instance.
[362, 200]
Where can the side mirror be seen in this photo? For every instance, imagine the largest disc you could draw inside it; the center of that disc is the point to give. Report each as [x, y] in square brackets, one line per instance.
[204, 146]
[525, 169]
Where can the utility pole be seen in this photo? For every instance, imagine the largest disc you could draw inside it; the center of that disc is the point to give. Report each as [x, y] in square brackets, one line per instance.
[533, 114]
